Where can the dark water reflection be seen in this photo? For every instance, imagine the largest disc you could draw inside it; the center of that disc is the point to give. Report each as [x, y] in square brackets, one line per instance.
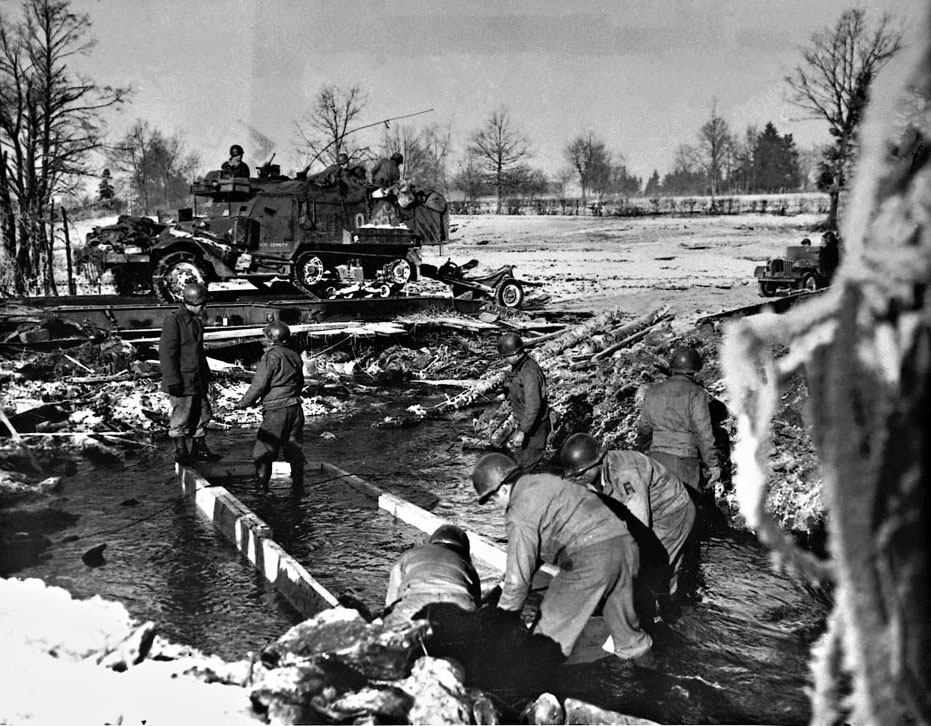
[737, 656]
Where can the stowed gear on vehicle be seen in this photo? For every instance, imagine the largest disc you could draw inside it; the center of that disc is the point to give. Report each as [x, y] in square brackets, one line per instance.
[328, 236]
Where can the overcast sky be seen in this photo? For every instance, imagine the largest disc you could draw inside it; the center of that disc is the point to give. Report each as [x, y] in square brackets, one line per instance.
[639, 73]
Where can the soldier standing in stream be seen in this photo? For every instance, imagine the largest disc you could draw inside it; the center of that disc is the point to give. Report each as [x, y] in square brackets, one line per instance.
[278, 382]
[186, 375]
[675, 422]
[526, 392]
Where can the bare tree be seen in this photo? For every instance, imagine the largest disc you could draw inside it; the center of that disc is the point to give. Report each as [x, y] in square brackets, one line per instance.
[157, 167]
[438, 142]
[714, 149]
[407, 140]
[591, 162]
[323, 132]
[498, 145]
[50, 123]
[833, 84]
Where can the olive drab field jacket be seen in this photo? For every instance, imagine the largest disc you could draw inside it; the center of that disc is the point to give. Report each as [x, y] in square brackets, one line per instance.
[675, 419]
[652, 493]
[278, 380]
[181, 353]
[549, 519]
[432, 573]
[526, 387]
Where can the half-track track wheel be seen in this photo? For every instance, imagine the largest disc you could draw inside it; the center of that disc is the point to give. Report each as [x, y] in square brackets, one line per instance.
[173, 272]
[307, 274]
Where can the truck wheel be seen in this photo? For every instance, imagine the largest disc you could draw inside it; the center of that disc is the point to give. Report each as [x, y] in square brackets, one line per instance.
[767, 289]
[173, 272]
[308, 272]
[810, 282]
[510, 294]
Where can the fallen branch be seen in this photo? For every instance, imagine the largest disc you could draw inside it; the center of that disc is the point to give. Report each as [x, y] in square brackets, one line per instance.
[545, 355]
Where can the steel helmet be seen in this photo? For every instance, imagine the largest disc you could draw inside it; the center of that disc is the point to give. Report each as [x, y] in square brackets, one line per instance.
[342, 158]
[510, 344]
[453, 537]
[236, 150]
[491, 471]
[277, 332]
[194, 293]
[578, 453]
[397, 157]
[684, 359]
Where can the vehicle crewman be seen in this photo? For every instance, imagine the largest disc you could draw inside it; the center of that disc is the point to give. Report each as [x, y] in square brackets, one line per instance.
[386, 172]
[526, 392]
[278, 382]
[648, 490]
[551, 520]
[675, 422]
[186, 375]
[236, 167]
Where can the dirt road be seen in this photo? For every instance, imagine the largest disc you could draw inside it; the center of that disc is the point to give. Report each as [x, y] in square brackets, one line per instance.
[696, 265]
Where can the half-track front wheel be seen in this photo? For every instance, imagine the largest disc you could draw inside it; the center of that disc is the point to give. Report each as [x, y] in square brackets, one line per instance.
[510, 294]
[810, 282]
[173, 272]
[308, 272]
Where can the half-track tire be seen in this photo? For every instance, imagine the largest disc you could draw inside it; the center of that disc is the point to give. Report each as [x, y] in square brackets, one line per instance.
[510, 294]
[308, 272]
[173, 272]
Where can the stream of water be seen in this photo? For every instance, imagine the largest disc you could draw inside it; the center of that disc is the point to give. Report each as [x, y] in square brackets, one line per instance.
[739, 654]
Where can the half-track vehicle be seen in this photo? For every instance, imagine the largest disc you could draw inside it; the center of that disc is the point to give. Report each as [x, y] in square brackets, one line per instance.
[802, 268]
[328, 235]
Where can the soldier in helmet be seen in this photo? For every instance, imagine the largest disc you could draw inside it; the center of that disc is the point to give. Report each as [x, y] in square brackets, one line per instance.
[437, 581]
[646, 488]
[386, 172]
[675, 422]
[235, 167]
[186, 375]
[526, 391]
[278, 382]
[552, 520]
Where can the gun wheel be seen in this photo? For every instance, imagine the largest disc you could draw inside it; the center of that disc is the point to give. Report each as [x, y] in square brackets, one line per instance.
[510, 294]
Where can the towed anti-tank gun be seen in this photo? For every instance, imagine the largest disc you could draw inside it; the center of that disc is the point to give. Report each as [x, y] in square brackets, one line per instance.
[329, 235]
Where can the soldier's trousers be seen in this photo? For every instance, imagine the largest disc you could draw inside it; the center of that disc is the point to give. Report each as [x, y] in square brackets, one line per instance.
[604, 570]
[281, 429]
[529, 454]
[189, 416]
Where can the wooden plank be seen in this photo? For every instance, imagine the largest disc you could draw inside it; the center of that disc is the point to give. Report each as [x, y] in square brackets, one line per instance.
[253, 538]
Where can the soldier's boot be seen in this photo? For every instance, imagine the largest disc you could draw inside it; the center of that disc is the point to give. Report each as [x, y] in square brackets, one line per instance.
[182, 456]
[200, 452]
[297, 476]
[263, 475]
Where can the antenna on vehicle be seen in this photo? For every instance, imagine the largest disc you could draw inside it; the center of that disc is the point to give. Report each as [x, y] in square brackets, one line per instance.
[360, 128]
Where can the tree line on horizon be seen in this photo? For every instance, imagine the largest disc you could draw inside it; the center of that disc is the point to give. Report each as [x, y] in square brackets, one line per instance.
[53, 139]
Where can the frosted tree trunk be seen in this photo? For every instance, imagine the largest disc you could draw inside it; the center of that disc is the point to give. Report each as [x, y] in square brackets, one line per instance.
[865, 349]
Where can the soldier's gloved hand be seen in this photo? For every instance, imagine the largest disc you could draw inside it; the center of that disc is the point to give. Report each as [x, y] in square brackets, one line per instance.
[714, 475]
[518, 438]
[176, 390]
